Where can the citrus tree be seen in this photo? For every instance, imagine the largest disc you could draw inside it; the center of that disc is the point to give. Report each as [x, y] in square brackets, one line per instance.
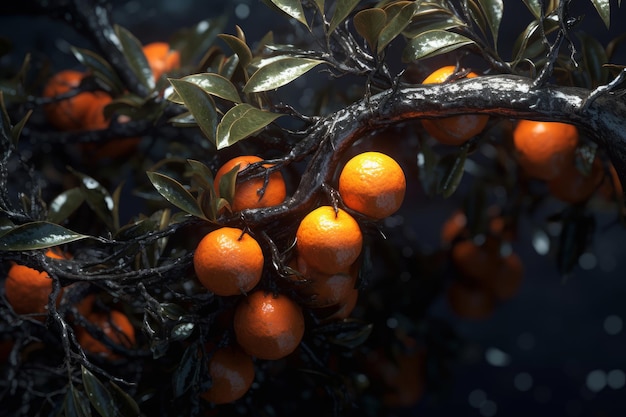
[187, 230]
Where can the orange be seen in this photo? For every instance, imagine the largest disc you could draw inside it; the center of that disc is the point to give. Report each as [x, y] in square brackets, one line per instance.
[327, 241]
[453, 227]
[373, 184]
[341, 310]
[78, 112]
[573, 187]
[248, 193]
[115, 325]
[27, 289]
[611, 188]
[267, 326]
[470, 302]
[161, 58]
[545, 149]
[454, 130]
[401, 377]
[228, 261]
[324, 290]
[232, 374]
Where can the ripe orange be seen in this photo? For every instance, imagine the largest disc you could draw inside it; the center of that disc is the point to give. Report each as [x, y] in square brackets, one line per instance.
[78, 112]
[341, 310]
[545, 149]
[115, 325]
[247, 194]
[267, 326]
[228, 261]
[573, 187]
[324, 290]
[470, 302]
[232, 374]
[373, 184]
[453, 227]
[27, 289]
[454, 130]
[161, 58]
[327, 241]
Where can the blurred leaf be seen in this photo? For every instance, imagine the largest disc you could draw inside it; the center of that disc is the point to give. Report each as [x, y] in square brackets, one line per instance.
[187, 373]
[451, 168]
[594, 57]
[342, 9]
[213, 84]
[352, 338]
[369, 23]
[175, 193]
[396, 25]
[182, 331]
[493, 11]
[5, 122]
[63, 205]
[200, 104]
[427, 161]
[242, 121]
[136, 229]
[100, 68]
[185, 119]
[125, 405]
[16, 130]
[76, 404]
[37, 235]
[432, 43]
[229, 66]
[239, 47]
[573, 240]
[320, 5]
[292, 8]
[195, 41]
[529, 43]
[99, 396]
[97, 197]
[604, 10]
[133, 52]
[279, 73]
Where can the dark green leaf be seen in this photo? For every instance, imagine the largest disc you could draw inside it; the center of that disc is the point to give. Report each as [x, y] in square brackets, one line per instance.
[188, 371]
[278, 73]
[477, 15]
[427, 161]
[239, 47]
[182, 331]
[200, 104]
[529, 43]
[65, 204]
[493, 11]
[604, 10]
[342, 9]
[451, 172]
[242, 121]
[16, 131]
[534, 6]
[37, 235]
[99, 396]
[594, 57]
[194, 42]
[185, 119]
[175, 193]
[320, 5]
[215, 84]
[228, 67]
[125, 404]
[431, 18]
[368, 23]
[100, 68]
[227, 184]
[352, 338]
[136, 229]
[97, 197]
[76, 404]
[133, 52]
[292, 8]
[396, 25]
[432, 43]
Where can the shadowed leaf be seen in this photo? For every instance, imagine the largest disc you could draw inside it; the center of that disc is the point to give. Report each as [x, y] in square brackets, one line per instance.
[239, 47]
[133, 52]
[125, 404]
[431, 18]
[16, 130]
[76, 404]
[342, 9]
[99, 396]
[200, 104]
[493, 11]
[63, 205]
[187, 373]
[98, 198]
[100, 68]
[278, 73]
[242, 121]
[396, 25]
[175, 193]
[37, 235]
[604, 10]
[368, 23]
[433, 43]
[451, 172]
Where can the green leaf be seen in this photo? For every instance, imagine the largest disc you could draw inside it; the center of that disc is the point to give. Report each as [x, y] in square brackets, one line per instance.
[432, 18]
[320, 5]
[292, 8]
[126, 405]
[216, 85]
[279, 73]
[604, 10]
[100, 68]
[534, 6]
[427, 162]
[242, 121]
[594, 57]
[194, 42]
[63, 205]
[451, 172]
[239, 47]
[37, 235]
[133, 52]
[99, 396]
[432, 43]
[200, 104]
[187, 373]
[369, 23]
[16, 130]
[182, 331]
[98, 198]
[477, 15]
[175, 193]
[342, 9]
[493, 11]
[228, 183]
[352, 338]
[76, 404]
[396, 25]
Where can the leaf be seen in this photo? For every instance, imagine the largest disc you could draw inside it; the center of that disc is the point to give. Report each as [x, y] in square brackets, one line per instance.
[216, 85]
[194, 42]
[432, 18]
[200, 104]
[242, 121]
[76, 404]
[133, 52]
[99, 396]
[228, 183]
[342, 9]
[477, 15]
[432, 43]
[125, 404]
[97, 197]
[175, 193]
[493, 11]
[427, 161]
[594, 57]
[182, 331]
[368, 23]
[451, 172]
[603, 8]
[37, 235]
[292, 8]
[16, 130]
[187, 373]
[64, 204]
[396, 25]
[99, 67]
[352, 338]
[534, 6]
[239, 47]
[279, 73]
